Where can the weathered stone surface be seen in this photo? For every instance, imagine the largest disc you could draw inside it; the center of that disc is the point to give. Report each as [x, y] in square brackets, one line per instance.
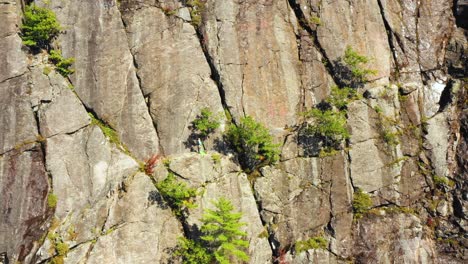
[253, 47]
[336, 32]
[379, 238]
[362, 122]
[457, 53]
[294, 207]
[315, 78]
[437, 143]
[174, 77]
[199, 169]
[142, 66]
[23, 195]
[318, 256]
[137, 229]
[418, 39]
[12, 59]
[18, 123]
[223, 179]
[64, 113]
[105, 77]
[369, 171]
[85, 167]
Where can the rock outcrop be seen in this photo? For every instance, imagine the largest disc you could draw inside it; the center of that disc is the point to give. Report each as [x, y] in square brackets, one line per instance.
[76, 185]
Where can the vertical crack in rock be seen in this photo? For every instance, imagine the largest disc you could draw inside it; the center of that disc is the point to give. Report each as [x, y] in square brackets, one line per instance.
[274, 245]
[215, 76]
[301, 20]
[390, 36]
[135, 66]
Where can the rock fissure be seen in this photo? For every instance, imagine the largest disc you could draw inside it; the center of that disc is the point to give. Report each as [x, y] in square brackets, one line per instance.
[390, 36]
[215, 76]
[302, 22]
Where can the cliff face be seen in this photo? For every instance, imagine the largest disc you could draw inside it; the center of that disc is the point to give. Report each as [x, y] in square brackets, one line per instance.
[146, 68]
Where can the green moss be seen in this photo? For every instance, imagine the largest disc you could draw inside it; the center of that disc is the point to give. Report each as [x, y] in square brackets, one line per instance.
[263, 234]
[109, 132]
[361, 203]
[441, 180]
[71, 233]
[391, 138]
[328, 152]
[216, 158]
[196, 10]
[62, 248]
[387, 127]
[51, 200]
[315, 20]
[46, 70]
[317, 242]
[166, 162]
[57, 260]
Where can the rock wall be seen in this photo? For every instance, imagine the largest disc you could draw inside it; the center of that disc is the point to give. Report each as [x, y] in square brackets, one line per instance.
[146, 68]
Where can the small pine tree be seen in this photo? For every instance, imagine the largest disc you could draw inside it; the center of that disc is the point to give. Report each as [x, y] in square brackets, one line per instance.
[221, 239]
[253, 142]
[193, 252]
[206, 123]
[221, 229]
[63, 65]
[177, 194]
[329, 125]
[356, 63]
[39, 27]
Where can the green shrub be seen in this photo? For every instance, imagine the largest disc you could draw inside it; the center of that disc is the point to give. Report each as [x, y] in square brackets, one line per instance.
[177, 194]
[317, 242]
[356, 63]
[341, 97]
[39, 27]
[253, 142]
[221, 237]
[193, 252]
[361, 203]
[221, 231]
[391, 138]
[206, 123]
[329, 125]
[51, 200]
[62, 65]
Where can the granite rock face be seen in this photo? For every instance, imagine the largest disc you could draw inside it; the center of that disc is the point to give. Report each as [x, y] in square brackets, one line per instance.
[77, 184]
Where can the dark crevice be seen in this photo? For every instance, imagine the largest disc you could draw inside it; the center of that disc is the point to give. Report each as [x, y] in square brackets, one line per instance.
[140, 86]
[215, 76]
[446, 98]
[460, 12]
[390, 36]
[272, 242]
[302, 22]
